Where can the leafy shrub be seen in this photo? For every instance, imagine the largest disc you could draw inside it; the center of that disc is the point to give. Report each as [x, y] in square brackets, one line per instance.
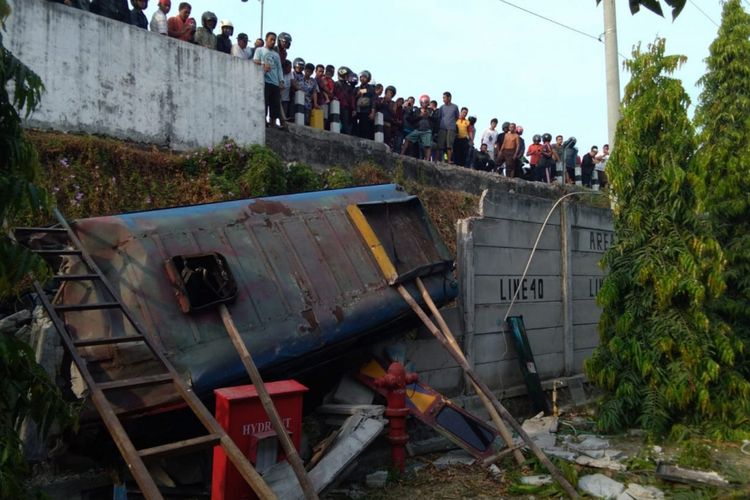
[302, 178]
[337, 178]
[264, 173]
[366, 174]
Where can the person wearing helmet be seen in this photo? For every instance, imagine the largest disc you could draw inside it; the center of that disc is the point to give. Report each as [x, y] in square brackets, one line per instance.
[386, 106]
[422, 122]
[284, 43]
[204, 35]
[534, 152]
[158, 22]
[499, 143]
[223, 41]
[570, 154]
[180, 26]
[298, 73]
[344, 94]
[240, 48]
[273, 79]
[364, 125]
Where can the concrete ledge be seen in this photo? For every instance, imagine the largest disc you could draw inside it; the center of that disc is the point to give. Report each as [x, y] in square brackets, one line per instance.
[323, 149]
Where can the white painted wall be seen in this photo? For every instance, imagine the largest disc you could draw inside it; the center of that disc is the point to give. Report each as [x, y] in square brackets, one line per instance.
[110, 78]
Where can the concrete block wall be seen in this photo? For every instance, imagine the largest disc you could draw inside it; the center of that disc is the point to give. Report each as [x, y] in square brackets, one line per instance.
[557, 297]
[106, 77]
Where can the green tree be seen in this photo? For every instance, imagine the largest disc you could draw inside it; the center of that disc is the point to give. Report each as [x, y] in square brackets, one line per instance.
[723, 115]
[25, 389]
[663, 359]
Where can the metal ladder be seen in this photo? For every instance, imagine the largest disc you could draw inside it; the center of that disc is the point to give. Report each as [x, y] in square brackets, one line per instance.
[133, 457]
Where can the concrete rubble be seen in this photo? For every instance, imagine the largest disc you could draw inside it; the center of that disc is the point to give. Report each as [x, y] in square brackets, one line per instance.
[638, 492]
[600, 486]
[455, 457]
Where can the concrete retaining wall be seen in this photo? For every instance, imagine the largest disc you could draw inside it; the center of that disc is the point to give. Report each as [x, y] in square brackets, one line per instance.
[557, 297]
[110, 78]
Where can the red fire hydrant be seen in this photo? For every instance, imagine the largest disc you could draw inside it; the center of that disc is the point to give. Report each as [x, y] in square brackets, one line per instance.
[396, 381]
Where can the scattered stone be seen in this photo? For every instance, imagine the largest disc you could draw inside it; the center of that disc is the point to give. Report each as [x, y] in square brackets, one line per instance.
[537, 480]
[561, 453]
[13, 322]
[677, 474]
[540, 429]
[600, 463]
[497, 473]
[657, 449]
[415, 467]
[377, 479]
[613, 454]
[638, 492]
[453, 458]
[600, 486]
[589, 453]
[592, 443]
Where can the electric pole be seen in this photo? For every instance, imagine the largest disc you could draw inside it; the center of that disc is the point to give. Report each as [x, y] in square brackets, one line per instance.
[612, 69]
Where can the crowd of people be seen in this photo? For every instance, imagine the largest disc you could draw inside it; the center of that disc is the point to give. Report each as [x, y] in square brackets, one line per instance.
[424, 130]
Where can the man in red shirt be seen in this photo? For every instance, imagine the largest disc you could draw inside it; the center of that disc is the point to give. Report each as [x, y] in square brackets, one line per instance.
[534, 153]
[181, 26]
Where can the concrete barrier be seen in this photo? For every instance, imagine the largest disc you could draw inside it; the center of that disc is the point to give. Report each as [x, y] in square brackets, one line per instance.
[107, 77]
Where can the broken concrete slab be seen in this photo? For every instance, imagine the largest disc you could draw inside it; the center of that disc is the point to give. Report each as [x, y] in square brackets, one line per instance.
[638, 492]
[600, 463]
[455, 457]
[13, 322]
[377, 479]
[351, 391]
[540, 429]
[589, 442]
[540, 480]
[677, 474]
[561, 453]
[357, 433]
[600, 486]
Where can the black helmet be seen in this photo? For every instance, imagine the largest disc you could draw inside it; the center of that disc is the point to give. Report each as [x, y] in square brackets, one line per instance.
[392, 89]
[367, 75]
[547, 137]
[298, 61]
[208, 16]
[344, 72]
[506, 126]
[537, 138]
[286, 38]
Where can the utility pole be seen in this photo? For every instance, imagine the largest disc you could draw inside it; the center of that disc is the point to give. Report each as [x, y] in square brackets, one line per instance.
[261, 20]
[612, 70]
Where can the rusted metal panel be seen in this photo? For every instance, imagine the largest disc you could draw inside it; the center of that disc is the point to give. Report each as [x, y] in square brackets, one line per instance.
[305, 282]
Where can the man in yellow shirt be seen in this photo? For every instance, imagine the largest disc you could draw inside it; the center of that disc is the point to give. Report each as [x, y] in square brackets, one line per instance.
[461, 144]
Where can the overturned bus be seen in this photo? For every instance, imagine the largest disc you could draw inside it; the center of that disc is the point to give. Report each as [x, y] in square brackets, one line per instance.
[300, 282]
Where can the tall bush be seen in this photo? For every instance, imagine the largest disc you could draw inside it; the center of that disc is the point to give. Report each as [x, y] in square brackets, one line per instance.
[663, 359]
[723, 116]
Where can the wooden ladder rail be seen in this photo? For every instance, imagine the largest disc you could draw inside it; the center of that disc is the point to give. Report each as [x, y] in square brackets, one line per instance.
[132, 456]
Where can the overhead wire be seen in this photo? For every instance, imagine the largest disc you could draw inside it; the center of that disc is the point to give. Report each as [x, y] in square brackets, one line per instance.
[704, 13]
[558, 23]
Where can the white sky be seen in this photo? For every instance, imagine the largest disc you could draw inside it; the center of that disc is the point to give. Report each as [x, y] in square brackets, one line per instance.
[495, 59]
